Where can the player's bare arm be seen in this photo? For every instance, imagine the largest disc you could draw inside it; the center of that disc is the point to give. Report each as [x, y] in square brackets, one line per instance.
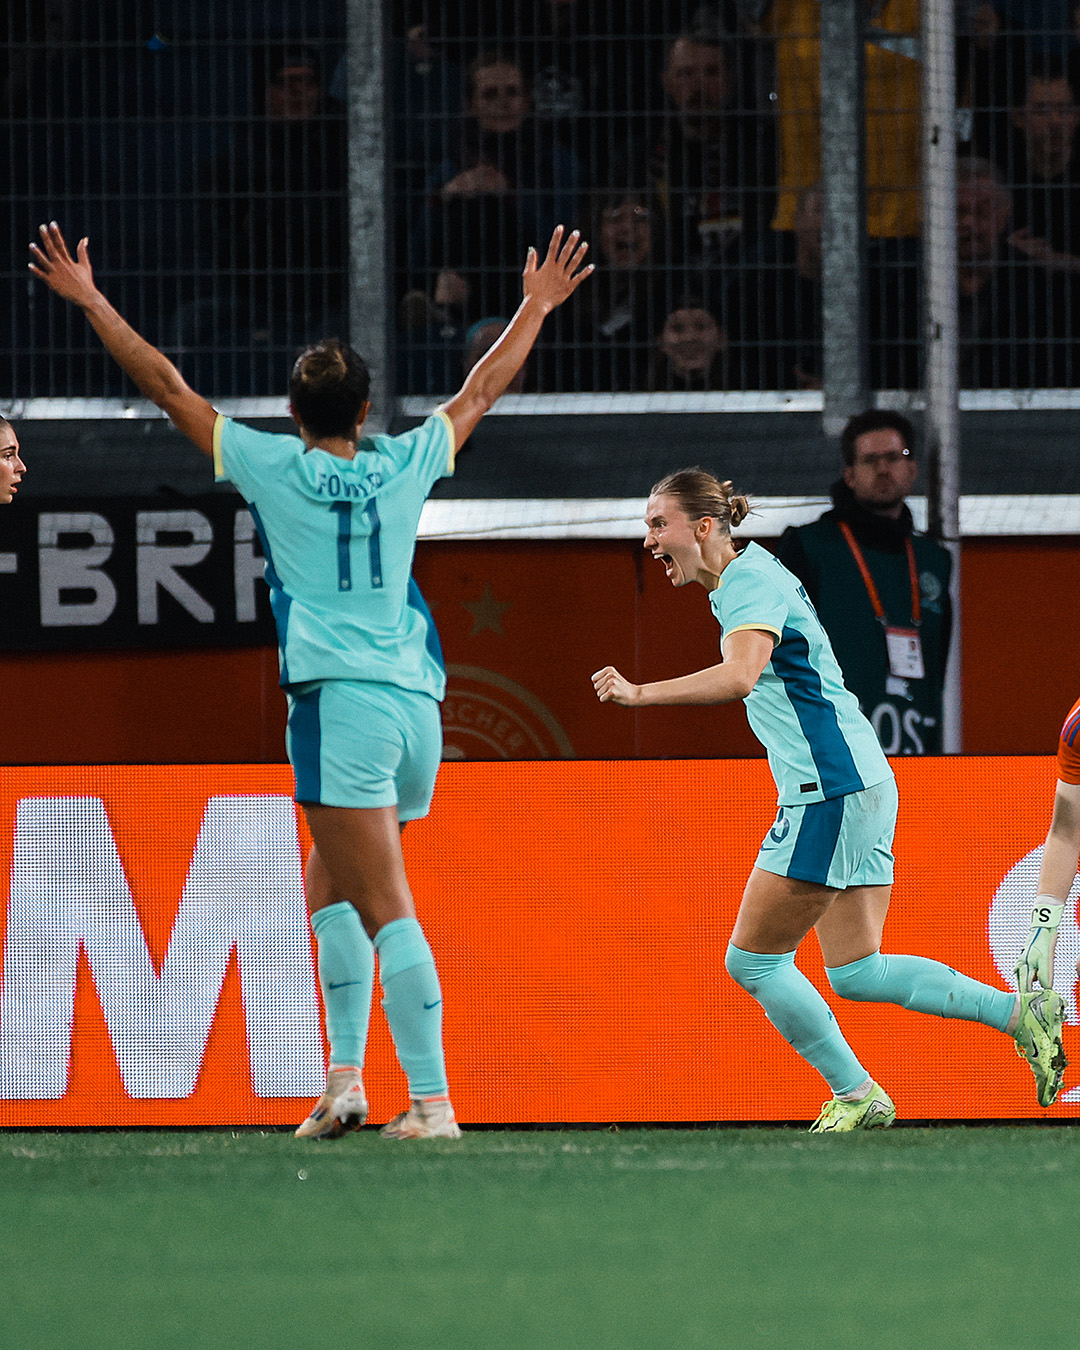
[545, 287]
[1056, 876]
[1062, 846]
[73, 280]
[746, 654]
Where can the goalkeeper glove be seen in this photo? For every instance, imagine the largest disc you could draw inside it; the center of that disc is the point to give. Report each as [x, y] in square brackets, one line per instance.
[1037, 959]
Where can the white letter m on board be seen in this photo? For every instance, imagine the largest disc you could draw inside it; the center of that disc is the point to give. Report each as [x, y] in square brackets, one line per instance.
[243, 890]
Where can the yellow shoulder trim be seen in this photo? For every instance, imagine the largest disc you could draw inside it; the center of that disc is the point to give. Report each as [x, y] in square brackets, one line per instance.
[755, 627]
[219, 427]
[453, 439]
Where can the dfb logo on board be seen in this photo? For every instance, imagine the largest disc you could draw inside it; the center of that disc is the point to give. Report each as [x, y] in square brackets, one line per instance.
[488, 716]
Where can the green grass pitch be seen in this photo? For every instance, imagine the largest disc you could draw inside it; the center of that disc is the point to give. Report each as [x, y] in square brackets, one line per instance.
[909, 1238]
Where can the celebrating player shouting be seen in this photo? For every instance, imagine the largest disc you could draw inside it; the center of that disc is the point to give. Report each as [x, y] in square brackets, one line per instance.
[827, 862]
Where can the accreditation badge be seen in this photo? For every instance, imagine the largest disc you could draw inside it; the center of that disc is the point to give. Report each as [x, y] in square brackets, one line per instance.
[904, 647]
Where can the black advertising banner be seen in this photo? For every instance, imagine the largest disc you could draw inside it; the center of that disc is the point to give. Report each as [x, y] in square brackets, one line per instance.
[125, 572]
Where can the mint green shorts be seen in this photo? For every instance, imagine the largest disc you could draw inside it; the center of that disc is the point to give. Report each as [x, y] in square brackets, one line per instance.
[358, 743]
[839, 843]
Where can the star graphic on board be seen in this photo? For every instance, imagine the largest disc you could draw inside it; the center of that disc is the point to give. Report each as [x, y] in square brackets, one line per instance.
[487, 612]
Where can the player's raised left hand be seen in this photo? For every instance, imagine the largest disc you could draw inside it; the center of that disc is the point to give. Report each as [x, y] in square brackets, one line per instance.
[70, 278]
[561, 272]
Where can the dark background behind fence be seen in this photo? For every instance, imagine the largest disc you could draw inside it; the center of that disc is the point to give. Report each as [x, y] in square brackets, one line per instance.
[203, 148]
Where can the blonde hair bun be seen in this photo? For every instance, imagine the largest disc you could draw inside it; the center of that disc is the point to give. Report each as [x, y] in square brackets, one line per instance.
[699, 493]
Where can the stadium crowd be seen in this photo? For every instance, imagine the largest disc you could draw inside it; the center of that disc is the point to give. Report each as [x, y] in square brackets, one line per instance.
[684, 136]
[693, 150]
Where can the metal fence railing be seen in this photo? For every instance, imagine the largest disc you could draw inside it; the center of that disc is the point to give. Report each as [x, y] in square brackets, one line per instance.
[203, 148]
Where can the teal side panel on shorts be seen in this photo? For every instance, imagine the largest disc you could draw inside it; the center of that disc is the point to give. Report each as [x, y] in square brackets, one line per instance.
[305, 745]
[363, 745]
[841, 842]
[811, 858]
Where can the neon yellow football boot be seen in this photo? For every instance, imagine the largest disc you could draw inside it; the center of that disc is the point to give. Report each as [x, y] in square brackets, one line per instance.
[1038, 1040]
[874, 1112]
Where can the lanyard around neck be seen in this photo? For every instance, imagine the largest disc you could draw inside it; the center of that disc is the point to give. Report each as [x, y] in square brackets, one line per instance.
[868, 580]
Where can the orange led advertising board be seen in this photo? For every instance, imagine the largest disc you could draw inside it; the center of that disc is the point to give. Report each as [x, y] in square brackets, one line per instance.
[158, 967]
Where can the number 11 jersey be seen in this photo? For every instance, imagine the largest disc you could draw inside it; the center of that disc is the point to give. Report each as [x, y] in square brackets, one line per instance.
[338, 536]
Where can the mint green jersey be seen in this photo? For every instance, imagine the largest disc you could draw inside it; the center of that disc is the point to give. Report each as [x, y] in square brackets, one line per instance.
[819, 744]
[339, 536]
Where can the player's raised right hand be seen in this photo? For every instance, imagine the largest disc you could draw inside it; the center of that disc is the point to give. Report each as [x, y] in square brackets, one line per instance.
[70, 278]
[561, 272]
[611, 687]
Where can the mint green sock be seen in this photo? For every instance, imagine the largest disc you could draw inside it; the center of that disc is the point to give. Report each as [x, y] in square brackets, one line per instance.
[799, 1013]
[347, 980]
[923, 985]
[412, 1001]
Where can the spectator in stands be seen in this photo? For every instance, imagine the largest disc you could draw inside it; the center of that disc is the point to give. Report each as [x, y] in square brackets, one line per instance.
[880, 590]
[690, 353]
[278, 224]
[983, 82]
[775, 304]
[1045, 177]
[427, 93]
[432, 333]
[289, 220]
[596, 95]
[1015, 316]
[606, 340]
[1006, 43]
[775, 307]
[713, 165]
[455, 27]
[509, 184]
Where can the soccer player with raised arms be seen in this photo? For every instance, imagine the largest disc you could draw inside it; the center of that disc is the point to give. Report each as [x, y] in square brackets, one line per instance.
[827, 861]
[360, 658]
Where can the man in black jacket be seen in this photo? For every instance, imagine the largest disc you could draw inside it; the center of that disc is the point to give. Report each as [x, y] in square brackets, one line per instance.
[881, 591]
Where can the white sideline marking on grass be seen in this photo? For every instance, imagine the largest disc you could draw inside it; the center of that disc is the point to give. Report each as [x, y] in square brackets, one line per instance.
[871, 1163]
